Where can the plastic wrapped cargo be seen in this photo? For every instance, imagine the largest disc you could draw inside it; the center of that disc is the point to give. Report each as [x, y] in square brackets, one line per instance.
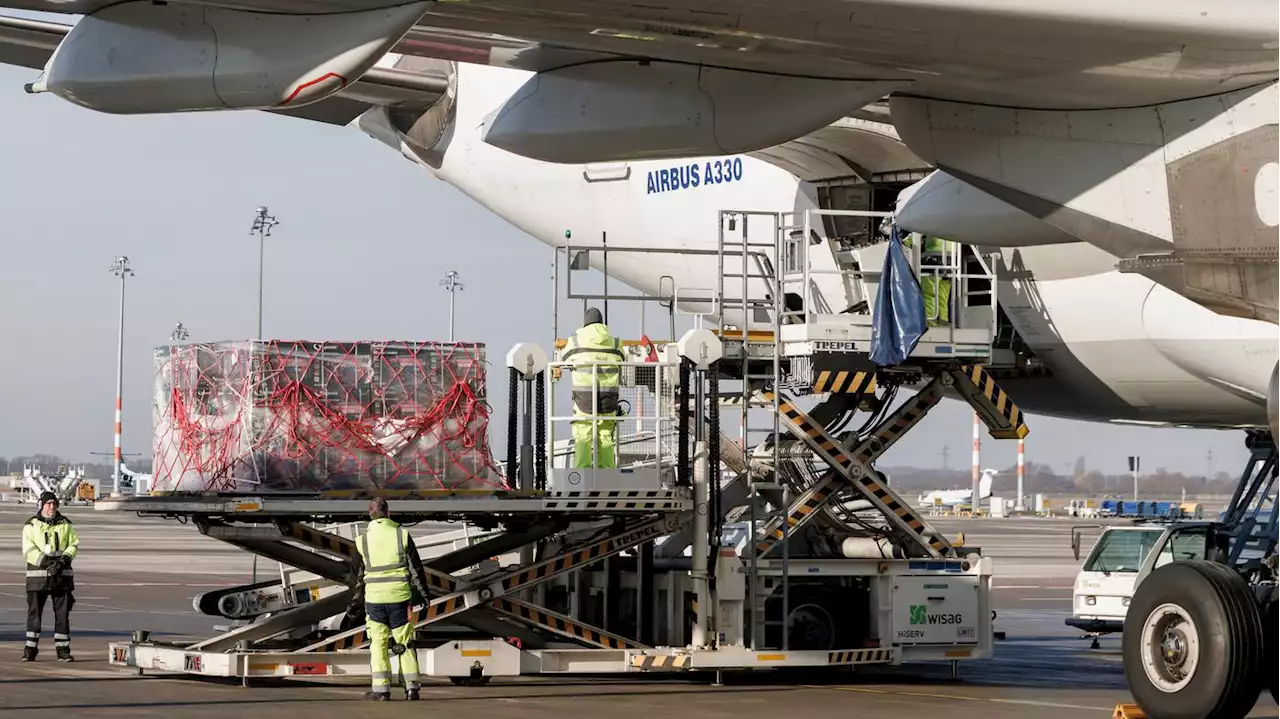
[276, 416]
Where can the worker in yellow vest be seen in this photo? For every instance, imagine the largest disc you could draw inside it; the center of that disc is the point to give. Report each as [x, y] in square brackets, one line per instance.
[592, 351]
[49, 543]
[391, 571]
[935, 252]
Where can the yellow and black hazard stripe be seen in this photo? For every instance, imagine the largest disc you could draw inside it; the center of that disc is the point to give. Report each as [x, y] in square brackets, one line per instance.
[620, 541]
[845, 382]
[439, 581]
[860, 656]
[802, 510]
[434, 611]
[662, 662]
[324, 541]
[865, 479]
[656, 499]
[556, 565]
[892, 429]
[994, 406]
[562, 625]
[438, 609]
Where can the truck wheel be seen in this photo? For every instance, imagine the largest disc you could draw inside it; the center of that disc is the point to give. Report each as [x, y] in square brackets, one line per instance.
[1193, 643]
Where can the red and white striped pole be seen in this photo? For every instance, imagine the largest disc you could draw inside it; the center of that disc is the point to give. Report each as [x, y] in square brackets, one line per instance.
[1022, 472]
[976, 504]
[120, 268]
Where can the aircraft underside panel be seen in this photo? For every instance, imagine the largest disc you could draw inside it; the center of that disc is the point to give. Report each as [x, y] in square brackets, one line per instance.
[141, 57]
[639, 109]
[1182, 193]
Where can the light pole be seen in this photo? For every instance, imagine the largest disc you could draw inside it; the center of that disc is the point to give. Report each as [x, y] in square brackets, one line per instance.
[453, 285]
[120, 268]
[262, 224]
[179, 333]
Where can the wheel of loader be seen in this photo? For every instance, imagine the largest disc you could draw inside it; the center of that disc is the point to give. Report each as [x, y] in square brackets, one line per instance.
[1270, 629]
[1193, 643]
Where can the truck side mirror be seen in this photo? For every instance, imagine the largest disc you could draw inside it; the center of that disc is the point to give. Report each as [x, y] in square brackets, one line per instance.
[1075, 543]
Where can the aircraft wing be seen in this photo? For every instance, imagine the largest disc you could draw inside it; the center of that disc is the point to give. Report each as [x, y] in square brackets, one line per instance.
[29, 43]
[1084, 54]
[865, 145]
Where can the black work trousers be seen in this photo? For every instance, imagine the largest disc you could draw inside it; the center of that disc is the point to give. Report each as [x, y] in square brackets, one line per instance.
[62, 602]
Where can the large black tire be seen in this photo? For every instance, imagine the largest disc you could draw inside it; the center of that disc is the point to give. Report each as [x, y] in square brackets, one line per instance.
[1271, 629]
[1205, 616]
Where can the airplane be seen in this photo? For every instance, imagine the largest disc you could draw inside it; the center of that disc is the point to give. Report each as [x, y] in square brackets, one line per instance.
[1118, 346]
[1119, 159]
[955, 497]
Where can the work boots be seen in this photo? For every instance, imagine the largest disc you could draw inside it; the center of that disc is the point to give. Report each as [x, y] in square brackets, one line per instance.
[411, 695]
[29, 654]
[64, 654]
[378, 696]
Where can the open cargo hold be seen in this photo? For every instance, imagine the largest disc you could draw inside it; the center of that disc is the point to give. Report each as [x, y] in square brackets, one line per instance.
[284, 416]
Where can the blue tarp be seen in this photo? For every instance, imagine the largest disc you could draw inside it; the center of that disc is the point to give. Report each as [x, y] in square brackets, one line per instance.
[899, 319]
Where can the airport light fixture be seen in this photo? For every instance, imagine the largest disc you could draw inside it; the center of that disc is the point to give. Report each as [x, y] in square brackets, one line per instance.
[453, 285]
[120, 268]
[262, 224]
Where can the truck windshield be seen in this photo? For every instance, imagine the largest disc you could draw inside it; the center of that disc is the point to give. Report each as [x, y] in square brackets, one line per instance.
[1122, 550]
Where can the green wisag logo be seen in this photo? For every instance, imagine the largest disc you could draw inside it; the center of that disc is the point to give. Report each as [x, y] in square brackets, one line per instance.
[919, 614]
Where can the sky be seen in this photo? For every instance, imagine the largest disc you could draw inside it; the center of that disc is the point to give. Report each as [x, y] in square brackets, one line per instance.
[364, 239]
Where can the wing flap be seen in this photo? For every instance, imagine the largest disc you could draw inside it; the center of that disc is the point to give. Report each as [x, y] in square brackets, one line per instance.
[28, 43]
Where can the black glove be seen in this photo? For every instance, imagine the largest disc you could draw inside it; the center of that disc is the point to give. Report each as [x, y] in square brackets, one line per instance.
[65, 562]
[353, 617]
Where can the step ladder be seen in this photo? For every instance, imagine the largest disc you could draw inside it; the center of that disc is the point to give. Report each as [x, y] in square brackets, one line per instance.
[748, 290]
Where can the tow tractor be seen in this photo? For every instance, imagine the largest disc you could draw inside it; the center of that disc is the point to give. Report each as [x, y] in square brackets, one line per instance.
[1104, 586]
[799, 554]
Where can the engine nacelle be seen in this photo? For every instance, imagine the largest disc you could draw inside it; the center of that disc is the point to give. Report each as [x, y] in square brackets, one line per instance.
[140, 57]
[633, 110]
[942, 206]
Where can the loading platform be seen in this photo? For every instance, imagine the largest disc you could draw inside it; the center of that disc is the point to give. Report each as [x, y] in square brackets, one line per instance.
[634, 568]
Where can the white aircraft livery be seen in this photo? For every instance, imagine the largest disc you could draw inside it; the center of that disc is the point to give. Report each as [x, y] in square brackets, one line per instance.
[1111, 168]
[1067, 155]
[955, 497]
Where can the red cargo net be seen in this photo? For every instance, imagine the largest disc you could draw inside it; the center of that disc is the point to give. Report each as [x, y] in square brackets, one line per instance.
[312, 416]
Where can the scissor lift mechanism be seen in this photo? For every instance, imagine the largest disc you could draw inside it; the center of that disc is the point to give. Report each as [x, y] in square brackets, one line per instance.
[584, 528]
[273, 526]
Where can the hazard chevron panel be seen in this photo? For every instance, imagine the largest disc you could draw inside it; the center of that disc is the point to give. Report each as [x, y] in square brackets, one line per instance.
[860, 656]
[662, 662]
[324, 541]
[657, 500]
[994, 406]
[860, 475]
[845, 382]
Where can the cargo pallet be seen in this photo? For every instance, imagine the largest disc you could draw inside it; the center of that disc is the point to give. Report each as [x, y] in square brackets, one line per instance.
[894, 590]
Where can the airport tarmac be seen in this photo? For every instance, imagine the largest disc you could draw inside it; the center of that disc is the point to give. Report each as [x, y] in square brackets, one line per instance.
[136, 573]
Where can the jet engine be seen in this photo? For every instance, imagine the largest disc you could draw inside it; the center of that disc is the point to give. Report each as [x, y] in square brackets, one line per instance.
[1273, 403]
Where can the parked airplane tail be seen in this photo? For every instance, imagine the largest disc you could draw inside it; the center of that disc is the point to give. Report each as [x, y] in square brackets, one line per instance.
[984, 483]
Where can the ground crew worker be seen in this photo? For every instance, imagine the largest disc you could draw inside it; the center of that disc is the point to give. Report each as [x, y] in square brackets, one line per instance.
[49, 544]
[935, 285]
[390, 581]
[591, 351]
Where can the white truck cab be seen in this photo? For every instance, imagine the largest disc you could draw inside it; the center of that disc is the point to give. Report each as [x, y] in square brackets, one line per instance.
[1119, 559]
